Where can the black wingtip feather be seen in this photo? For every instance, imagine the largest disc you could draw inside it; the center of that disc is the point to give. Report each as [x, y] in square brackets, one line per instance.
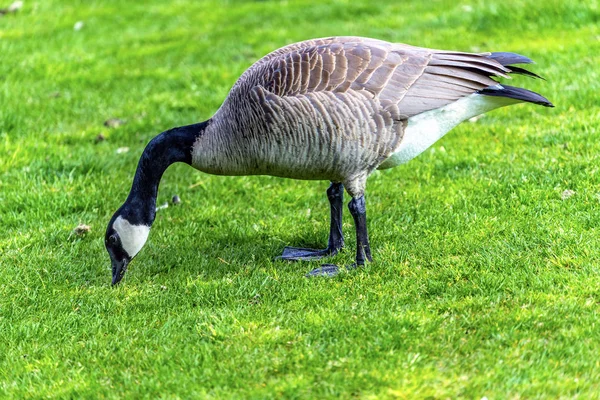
[506, 58]
[523, 71]
[517, 94]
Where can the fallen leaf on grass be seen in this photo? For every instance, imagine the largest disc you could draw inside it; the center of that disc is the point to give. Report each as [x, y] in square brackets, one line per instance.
[113, 122]
[78, 25]
[201, 183]
[567, 193]
[81, 229]
[122, 150]
[166, 205]
[13, 8]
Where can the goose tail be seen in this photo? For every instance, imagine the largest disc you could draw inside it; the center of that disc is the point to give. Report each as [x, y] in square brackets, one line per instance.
[516, 93]
[508, 60]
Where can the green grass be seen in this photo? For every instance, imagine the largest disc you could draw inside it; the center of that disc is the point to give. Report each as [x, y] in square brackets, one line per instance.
[485, 281]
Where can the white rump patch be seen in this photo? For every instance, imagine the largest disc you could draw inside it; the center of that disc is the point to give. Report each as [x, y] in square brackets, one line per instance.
[133, 237]
[426, 128]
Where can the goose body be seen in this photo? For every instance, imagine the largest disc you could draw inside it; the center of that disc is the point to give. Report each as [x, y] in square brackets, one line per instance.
[326, 109]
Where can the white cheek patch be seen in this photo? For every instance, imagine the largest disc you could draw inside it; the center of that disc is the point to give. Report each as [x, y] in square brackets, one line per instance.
[133, 237]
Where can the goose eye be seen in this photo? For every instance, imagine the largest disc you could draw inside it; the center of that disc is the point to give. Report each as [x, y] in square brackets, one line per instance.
[112, 239]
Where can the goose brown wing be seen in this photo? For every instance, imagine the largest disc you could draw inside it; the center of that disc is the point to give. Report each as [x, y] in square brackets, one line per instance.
[403, 80]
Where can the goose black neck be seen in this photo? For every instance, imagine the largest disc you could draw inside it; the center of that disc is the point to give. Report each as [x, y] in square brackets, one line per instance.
[174, 145]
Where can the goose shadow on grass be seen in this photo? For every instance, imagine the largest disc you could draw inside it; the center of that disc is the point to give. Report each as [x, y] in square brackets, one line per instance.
[229, 252]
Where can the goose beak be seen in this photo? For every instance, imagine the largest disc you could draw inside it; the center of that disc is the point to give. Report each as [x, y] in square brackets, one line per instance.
[118, 270]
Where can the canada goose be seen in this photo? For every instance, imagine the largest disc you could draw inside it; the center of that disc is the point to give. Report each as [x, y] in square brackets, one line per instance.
[325, 109]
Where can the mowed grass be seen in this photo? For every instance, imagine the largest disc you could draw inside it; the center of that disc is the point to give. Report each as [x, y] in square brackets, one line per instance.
[485, 280]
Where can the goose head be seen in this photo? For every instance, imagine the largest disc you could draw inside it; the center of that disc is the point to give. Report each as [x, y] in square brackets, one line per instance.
[124, 240]
[129, 227]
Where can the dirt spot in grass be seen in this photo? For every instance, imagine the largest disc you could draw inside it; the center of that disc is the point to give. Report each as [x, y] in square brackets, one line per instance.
[100, 138]
[255, 300]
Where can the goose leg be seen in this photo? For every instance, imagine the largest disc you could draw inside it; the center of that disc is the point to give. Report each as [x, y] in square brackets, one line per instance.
[335, 194]
[358, 210]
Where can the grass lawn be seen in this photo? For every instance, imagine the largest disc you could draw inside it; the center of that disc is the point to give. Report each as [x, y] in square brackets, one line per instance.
[486, 279]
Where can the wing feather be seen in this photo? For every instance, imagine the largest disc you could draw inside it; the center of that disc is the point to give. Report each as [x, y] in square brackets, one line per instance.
[399, 77]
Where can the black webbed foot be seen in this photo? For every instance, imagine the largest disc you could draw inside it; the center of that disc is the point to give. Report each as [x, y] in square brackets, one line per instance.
[325, 270]
[302, 254]
[329, 270]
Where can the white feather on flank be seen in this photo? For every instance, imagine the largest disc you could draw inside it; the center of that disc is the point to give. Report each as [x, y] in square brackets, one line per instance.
[426, 128]
[133, 237]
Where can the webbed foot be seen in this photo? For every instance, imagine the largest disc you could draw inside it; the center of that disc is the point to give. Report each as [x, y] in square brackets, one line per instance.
[328, 270]
[325, 270]
[303, 254]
